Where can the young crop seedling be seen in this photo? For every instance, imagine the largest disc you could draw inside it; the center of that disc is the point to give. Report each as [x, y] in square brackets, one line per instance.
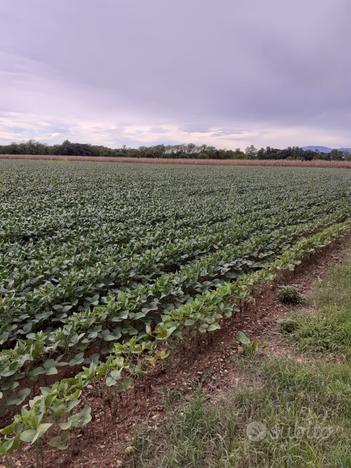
[249, 346]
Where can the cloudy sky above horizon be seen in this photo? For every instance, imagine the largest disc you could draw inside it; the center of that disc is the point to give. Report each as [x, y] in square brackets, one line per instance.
[138, 72]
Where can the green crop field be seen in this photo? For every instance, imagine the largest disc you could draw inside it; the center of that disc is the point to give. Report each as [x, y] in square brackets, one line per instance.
[101, 265]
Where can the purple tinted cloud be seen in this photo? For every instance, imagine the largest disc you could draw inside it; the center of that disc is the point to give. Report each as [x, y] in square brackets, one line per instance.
[128, 71]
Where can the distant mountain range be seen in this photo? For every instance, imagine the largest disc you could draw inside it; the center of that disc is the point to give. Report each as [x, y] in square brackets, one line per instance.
[324, 149]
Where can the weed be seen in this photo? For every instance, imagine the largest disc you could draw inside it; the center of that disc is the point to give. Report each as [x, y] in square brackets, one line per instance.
[290, 295]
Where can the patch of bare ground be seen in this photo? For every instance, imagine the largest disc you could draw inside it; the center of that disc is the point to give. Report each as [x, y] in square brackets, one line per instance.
[183, 161]
[210, 362]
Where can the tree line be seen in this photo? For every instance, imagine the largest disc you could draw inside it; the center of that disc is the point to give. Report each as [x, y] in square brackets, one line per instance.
[188, 151]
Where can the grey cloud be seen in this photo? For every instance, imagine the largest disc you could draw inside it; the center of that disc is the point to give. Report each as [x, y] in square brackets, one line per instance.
[254, 66]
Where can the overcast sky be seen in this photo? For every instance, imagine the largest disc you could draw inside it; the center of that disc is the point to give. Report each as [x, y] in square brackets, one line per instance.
[139, 72]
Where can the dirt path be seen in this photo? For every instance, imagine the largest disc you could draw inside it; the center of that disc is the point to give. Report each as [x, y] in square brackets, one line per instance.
[209, 162]
[209, 364]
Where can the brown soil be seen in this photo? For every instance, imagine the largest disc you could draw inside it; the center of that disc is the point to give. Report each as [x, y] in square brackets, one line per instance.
[210, 162]
[210, 362]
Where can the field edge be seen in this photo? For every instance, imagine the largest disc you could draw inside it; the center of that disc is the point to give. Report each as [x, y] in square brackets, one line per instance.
[182, 161]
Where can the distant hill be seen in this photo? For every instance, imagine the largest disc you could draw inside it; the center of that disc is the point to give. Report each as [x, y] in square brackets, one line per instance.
[324, 149]
[321, 149]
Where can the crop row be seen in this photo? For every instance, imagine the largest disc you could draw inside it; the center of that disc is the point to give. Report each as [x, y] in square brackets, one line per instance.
[51, 411]
[101, 266]
[84, 287]
[133, 312]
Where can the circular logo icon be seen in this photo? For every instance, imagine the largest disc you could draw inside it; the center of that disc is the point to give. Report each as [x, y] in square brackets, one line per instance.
[256, 431]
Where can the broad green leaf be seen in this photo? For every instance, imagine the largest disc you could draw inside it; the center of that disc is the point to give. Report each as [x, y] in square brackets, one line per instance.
[28, 435]
[213, 327]
[19, 398]
[242, 338]
[82, 418]
[41, 430]
[60, 441]
[78, 359]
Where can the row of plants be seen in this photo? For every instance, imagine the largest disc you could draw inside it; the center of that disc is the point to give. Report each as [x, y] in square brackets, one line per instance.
[53, 414]
[130, 314]
[133, 311]
[81, 288]
[77, 216]
[103, 266]
[74, 202]
[22, 268]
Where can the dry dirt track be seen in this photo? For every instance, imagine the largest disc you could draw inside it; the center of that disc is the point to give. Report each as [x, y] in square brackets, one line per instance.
[211, 162]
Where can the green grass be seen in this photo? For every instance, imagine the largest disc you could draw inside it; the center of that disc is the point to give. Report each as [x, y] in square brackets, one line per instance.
[303, 410]
[329, 329]
[336, 289]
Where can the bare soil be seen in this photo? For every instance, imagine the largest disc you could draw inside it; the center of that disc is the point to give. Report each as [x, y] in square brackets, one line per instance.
[209, 162]
[210, 362]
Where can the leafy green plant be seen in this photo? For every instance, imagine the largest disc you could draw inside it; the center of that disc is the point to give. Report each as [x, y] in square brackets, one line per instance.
[249, 346]
[290, 294]
[130, 261]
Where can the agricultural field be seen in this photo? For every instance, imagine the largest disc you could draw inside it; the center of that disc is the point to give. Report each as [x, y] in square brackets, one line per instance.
[102, 265]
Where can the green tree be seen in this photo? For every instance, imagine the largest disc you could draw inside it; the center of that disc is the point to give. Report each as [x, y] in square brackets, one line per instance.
[251, 152]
